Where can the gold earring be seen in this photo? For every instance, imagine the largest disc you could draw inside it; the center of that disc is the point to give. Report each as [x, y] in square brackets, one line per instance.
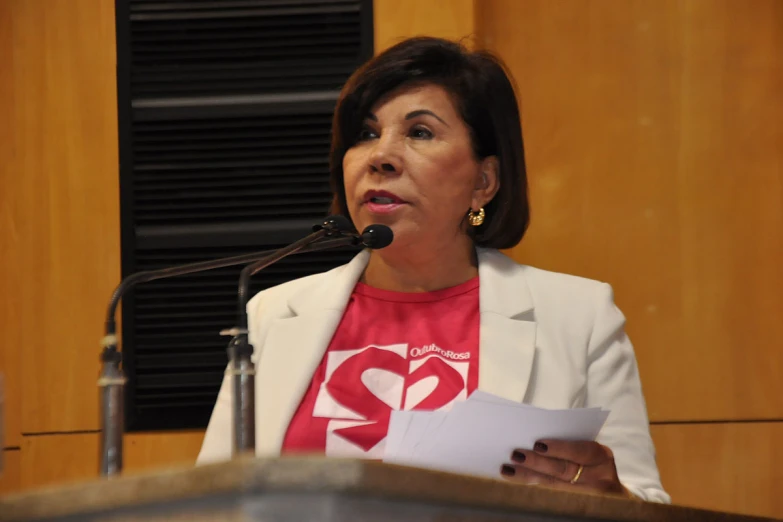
[477, 218]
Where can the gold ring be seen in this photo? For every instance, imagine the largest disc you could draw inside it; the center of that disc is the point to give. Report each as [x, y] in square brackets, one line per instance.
[578, 474]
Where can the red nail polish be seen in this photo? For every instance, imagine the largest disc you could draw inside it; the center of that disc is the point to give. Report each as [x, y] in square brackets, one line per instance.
[540, 447]
[518, 456]
[507, 470]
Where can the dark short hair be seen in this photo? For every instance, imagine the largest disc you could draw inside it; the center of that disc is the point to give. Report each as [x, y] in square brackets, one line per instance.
[484, 96]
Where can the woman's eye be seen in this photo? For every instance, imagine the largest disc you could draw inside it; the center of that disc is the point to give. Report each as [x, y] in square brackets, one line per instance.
[367, 134]
[420, 133]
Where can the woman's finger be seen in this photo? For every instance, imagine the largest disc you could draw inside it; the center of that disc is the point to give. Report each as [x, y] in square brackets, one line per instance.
[587, 453]
[562, 470]
[522, 475]
[526, 476]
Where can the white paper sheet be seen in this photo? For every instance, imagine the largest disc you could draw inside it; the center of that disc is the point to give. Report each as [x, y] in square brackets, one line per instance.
[477, 437]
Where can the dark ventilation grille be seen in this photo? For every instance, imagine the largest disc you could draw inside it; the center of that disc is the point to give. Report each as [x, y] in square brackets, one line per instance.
[225, 110]
[232, 169]
[220, 48]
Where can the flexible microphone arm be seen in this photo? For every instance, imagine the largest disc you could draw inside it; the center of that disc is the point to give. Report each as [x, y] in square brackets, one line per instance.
[275, 256]
[112, 380]
[329, 225]
[201, 266]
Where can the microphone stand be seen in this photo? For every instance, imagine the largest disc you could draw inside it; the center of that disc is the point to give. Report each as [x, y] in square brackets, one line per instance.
[111, 381]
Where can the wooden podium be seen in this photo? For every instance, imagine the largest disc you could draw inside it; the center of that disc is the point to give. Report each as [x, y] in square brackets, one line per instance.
[318, 489]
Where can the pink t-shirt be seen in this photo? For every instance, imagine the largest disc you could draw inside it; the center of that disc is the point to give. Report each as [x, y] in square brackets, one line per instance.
[391, 351]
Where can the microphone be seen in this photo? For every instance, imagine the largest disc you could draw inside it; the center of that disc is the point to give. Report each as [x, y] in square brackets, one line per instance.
[377, 236]
[240, 351]
[112, 380]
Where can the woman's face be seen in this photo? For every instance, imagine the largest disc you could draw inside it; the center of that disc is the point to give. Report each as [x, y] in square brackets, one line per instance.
[414, 170]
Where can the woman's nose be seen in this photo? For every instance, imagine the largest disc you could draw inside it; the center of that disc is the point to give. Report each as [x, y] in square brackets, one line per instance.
[383, 167]
[385, 158]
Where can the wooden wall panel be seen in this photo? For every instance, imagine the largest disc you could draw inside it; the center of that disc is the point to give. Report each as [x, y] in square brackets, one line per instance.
[59, 459]
[653, 132]
[734, 467]
[10, 394]
[10, 476]
[144, 451]
[10, 385]
[399, 19]
[64, 234]
[9, 288]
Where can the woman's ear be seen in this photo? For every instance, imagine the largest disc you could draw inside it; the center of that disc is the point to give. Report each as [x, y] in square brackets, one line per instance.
[487, 182]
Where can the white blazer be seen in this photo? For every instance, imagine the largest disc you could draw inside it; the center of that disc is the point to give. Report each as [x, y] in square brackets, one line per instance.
[547, 339]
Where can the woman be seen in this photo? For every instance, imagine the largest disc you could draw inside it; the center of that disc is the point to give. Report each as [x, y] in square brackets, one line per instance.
[427, 140]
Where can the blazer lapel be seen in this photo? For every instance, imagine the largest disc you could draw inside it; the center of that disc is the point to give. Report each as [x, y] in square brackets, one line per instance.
[508, 329]
[293, 348]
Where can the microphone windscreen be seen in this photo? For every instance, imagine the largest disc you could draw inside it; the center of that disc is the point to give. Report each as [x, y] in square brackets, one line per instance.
[335, 223]
[377, 236]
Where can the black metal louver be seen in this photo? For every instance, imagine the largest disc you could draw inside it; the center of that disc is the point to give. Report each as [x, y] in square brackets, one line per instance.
[224, 116]
[230, 169]
[196, 48]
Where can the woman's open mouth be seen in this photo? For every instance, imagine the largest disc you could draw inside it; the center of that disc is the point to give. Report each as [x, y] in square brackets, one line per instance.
[382, 201]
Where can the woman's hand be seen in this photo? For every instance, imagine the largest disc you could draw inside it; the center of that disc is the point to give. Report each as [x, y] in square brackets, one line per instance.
[575, 465]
